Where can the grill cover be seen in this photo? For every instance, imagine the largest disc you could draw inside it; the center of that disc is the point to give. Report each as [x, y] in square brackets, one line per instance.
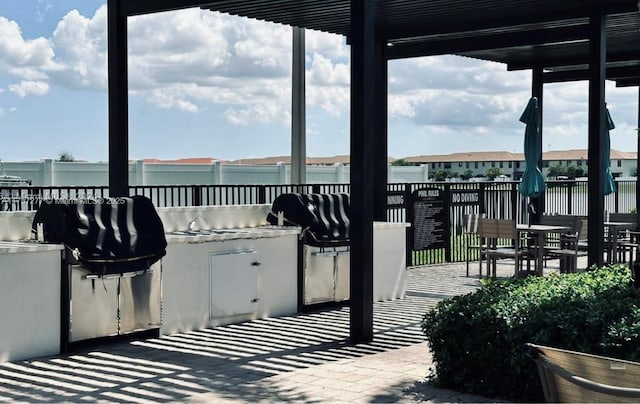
[106, 235]
[324, 218]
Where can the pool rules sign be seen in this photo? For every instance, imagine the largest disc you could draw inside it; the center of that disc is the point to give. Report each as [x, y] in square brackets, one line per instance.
[430, 219]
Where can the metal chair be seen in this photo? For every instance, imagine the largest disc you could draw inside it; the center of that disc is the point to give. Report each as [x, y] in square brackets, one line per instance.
[627, 241]
[575, 377]
[570, 248]
[493, 230]
[472, 238]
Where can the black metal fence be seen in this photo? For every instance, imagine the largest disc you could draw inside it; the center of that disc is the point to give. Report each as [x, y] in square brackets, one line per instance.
[496, 199]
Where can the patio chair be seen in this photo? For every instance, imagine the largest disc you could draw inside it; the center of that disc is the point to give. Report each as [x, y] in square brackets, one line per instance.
[570, 248]
[553, 241]
[569, 376]
[491, 232]
[472, 239]
[627, 241]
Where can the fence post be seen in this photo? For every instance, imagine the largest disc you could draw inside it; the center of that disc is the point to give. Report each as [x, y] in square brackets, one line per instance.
[425, 172]
[481, 203]
[447, 222]
[514, 201]
[139, 169]
[339, 174]
[262, 194]
[216, 173]
[282, 172]
[570, 187]
[196, 195]
[47, 172]
[408, 212]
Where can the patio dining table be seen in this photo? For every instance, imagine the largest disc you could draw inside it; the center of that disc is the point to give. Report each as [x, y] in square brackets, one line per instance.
[538, 234]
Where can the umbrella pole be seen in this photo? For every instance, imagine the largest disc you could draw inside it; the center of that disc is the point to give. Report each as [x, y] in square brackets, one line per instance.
[532, 208]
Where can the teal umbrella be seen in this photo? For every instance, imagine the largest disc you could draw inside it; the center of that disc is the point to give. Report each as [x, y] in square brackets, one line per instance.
[532, 184]
[609, 184]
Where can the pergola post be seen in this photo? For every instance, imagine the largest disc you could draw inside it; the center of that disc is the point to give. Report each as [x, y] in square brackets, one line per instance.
[597, 72]
[537, 88]
[363, 123]
[379, 139]
[118, 99]
[298, 118]
[638, 163]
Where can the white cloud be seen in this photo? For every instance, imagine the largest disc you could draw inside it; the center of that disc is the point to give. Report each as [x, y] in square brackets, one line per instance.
[445, 93]
[330, 45]
[25, 88]
[42, 10]
[2, 111]
[26, 59]
[328, 85]
[81, 44]
[193, 57]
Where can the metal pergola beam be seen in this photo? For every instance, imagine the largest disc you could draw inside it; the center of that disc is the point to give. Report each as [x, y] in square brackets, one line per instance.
[571, 60]
[627, 82]
[526, 18]
[139, 7]
[612, 73]
[417, 48]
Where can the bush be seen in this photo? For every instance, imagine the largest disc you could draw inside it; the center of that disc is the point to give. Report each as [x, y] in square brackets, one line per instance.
[477, 339]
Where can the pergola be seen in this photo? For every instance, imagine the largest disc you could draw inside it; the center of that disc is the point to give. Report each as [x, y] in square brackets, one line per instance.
[559, 40]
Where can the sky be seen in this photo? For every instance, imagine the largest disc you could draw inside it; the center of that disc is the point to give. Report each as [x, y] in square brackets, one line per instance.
[204, 84]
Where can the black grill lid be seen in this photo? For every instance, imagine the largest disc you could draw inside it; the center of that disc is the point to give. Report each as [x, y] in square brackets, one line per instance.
[324, 218]
[106, 235]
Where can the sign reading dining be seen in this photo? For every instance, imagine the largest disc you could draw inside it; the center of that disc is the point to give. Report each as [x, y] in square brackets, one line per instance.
[428, 218]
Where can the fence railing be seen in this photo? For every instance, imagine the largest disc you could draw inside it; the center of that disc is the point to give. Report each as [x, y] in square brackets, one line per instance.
[496, 199]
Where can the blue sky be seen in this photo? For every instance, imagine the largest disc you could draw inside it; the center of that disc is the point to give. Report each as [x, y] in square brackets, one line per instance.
[204, 84]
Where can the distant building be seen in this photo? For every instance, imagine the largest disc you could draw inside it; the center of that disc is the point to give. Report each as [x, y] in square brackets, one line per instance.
[623, 164]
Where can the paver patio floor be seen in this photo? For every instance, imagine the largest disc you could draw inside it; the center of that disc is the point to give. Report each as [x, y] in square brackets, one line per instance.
[302, 358]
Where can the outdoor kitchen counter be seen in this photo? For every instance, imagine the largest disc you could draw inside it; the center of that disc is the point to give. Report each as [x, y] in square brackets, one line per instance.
[30, 299]
[231, 276]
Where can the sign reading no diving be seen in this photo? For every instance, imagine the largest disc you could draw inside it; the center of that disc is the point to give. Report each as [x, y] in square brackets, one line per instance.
[465, 197]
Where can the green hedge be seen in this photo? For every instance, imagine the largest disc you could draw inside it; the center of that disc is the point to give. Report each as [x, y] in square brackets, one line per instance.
[476, 339]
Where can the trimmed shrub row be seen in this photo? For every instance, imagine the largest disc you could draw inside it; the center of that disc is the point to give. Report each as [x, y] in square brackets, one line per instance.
[477, 339]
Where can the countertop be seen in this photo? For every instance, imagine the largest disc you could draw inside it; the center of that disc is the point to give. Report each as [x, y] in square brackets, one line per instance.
[205, 236]
[9, 247]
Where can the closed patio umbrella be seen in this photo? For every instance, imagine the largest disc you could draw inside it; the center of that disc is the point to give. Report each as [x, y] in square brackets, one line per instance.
[532, 184]
[609, 184]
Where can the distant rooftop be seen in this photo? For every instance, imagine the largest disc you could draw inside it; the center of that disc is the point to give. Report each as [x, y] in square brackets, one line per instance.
[553, 155]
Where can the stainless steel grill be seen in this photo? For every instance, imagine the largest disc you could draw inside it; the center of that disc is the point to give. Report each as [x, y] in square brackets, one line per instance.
[323, 264]
[111, 266]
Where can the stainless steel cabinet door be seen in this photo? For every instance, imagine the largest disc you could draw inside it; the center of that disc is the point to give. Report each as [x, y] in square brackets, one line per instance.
[140, 300]
[94, 305]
